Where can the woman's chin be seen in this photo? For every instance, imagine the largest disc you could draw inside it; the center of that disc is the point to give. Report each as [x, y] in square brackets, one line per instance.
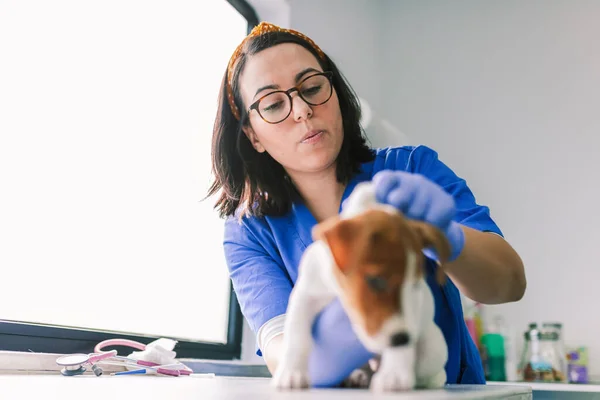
[318, 163]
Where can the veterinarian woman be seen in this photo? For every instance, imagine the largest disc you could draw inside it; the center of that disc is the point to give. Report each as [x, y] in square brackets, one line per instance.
[287, 150]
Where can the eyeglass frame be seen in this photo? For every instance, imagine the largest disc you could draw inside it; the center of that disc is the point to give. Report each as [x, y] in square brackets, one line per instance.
[327, 74]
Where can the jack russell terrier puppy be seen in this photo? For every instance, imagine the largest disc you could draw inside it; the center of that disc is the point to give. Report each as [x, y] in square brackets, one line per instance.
[370, 257]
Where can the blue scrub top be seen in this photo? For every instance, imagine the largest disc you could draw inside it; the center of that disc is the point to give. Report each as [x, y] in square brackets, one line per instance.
[263, 255]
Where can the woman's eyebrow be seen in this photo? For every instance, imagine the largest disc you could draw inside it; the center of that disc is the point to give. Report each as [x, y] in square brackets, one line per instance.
[260, 89]
[299, 76]
[305, 71]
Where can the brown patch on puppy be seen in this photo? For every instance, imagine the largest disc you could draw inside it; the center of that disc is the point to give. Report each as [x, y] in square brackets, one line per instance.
[429, 236]
[370, 252]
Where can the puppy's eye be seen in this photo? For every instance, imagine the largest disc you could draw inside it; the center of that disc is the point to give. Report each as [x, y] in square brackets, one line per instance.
[376, 237]
[377, 283]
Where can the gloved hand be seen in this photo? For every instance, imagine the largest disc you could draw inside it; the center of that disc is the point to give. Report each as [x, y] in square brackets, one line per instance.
[422, 199]
[337, 350]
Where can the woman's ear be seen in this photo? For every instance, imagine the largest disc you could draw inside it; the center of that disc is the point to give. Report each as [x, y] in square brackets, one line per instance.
[251, 135]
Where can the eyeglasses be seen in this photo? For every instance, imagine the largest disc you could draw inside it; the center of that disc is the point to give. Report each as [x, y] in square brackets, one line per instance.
[276, 106]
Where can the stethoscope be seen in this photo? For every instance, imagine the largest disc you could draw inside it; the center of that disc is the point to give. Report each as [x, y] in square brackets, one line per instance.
[75, 364]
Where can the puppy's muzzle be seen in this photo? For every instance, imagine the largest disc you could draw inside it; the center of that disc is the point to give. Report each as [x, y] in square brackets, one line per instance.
[399, 339]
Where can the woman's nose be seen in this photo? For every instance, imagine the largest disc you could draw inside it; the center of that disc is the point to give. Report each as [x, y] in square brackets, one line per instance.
[300, 109]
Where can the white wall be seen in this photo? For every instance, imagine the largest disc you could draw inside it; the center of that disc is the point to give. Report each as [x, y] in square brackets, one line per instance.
[348, 32]
[517, 82]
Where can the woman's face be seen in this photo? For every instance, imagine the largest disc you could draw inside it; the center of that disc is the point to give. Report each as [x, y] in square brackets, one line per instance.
[291, 142]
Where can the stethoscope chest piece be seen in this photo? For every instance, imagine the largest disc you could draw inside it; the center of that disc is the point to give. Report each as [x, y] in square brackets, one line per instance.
[72, 364]
[72, 371]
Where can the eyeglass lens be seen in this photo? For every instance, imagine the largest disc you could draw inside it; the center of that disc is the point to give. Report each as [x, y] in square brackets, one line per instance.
[276, 106]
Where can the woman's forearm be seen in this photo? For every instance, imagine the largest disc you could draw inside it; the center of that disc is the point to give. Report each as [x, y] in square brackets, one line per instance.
[488, 270]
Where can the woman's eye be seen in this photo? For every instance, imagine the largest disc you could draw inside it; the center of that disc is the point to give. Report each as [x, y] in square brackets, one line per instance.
[273, 107]
[311, 91]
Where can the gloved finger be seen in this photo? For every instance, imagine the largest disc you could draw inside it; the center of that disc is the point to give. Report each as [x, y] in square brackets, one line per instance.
[419, 205]
[442, 211]
[384, 182]
[456, 237]
[402, 196]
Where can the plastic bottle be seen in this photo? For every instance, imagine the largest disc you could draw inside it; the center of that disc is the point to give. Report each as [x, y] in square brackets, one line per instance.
[495, 357]
[541, 361]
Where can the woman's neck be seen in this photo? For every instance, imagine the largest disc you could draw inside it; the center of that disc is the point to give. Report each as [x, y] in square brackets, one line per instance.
[321, 192]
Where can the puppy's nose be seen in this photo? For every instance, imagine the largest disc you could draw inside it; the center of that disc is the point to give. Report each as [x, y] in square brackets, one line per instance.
[399, 339]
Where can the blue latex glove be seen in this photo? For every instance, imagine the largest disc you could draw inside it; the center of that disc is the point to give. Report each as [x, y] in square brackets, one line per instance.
[421, 199]
[337, 350]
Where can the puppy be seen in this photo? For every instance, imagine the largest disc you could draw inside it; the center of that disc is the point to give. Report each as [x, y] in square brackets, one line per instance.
[370, 257]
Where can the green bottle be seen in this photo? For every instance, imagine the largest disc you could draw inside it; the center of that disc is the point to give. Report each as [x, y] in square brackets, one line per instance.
[493, 344]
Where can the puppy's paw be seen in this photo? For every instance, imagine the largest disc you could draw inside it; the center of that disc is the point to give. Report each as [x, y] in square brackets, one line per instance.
[289, 378]
[359, 378]
[393, 380]
[433, 382]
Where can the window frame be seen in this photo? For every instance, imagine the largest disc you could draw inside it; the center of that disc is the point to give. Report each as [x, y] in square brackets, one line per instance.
[47, 338]
[247, 11]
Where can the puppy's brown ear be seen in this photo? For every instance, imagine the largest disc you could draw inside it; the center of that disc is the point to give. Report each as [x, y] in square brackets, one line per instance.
[430, 236]
[339, 234]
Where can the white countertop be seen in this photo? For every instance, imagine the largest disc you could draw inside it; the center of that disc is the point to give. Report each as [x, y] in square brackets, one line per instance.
[55, 386]
[553, 387]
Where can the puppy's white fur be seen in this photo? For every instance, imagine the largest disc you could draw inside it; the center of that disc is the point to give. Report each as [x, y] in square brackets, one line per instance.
[420, 363]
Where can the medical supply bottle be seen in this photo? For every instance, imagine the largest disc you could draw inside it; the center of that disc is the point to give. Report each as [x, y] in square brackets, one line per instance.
[493, 347]
[542, 360]
[556, 328]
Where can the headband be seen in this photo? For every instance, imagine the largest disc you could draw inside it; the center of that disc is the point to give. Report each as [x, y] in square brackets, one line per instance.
[260, 29]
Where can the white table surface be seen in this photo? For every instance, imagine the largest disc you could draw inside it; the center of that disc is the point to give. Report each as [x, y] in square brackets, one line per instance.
[55, 386]
[555, 387]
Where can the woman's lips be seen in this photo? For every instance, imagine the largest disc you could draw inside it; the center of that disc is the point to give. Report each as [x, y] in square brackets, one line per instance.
[312, 137]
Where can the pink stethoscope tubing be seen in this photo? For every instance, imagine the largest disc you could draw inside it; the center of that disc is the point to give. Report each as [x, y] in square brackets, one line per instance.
[139, 346]
[119, 342]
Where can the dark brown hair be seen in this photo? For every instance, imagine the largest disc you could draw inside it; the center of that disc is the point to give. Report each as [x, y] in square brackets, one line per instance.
[255, 181]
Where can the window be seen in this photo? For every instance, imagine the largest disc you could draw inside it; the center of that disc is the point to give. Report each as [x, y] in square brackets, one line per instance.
[106, 114]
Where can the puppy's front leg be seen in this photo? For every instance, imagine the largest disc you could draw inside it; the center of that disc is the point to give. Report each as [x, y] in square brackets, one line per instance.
[309, 297]
[396, 371]
[432, 355]
[292, 371]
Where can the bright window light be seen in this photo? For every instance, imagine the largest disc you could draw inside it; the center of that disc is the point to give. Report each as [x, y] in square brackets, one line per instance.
[106, 115]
